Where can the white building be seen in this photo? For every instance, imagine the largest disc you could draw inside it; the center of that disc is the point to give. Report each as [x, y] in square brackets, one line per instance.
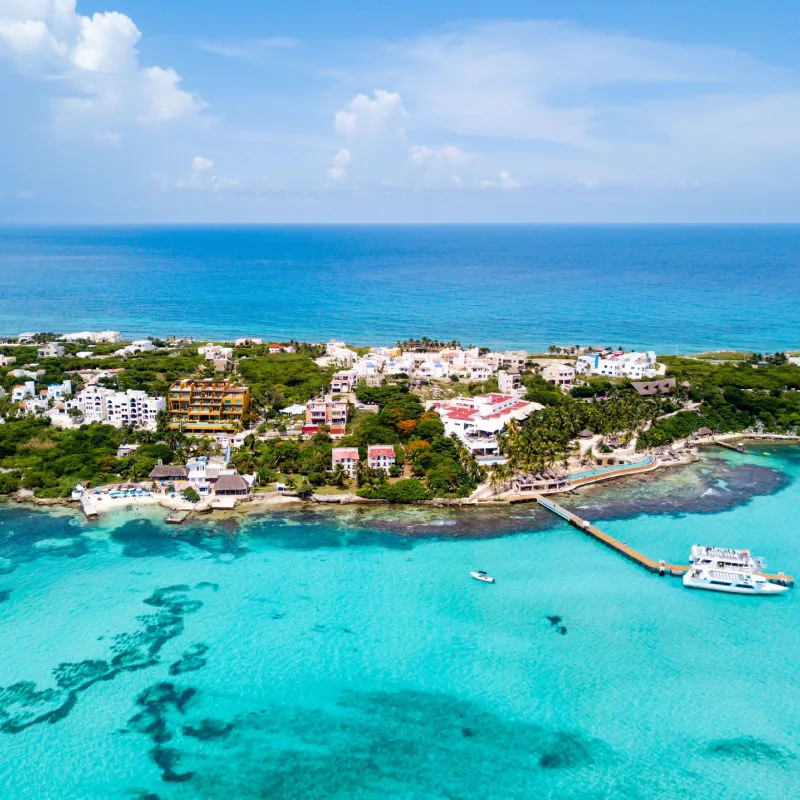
[347, 458]
[23, 390]
[508, 359]
[58, 391]
[477, 420]
[509, 381]
[97, 337]
[559, 374]
[248, 341]
[338, 353]
[215, 352]
[133, 408]
[7, 361]
[381, 456]
[50, 350]
[620, 365]
[344, 381]
[139, 346]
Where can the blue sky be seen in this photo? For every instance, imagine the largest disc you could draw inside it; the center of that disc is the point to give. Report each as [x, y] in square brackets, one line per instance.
[138, 111]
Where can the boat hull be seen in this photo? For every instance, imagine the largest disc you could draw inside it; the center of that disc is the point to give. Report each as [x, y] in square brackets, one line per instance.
[761, 590]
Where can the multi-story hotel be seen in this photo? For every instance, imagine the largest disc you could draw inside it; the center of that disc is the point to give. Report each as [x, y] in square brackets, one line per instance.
[208, 406]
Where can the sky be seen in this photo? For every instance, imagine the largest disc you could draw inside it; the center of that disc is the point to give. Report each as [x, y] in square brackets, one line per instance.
[135, 111]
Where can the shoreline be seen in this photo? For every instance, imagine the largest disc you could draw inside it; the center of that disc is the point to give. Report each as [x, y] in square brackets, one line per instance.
[274, 501]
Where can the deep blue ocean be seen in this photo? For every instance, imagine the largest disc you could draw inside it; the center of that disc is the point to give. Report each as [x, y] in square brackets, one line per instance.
[679, 287]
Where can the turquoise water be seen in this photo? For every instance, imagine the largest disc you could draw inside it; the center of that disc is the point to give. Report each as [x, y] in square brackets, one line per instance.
[350, 655]
[590, 473]
[687, 287]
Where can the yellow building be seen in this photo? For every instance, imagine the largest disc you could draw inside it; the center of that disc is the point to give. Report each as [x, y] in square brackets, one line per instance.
[207, 406]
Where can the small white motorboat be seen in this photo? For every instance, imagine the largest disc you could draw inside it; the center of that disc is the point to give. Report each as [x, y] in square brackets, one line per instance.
[480, 575]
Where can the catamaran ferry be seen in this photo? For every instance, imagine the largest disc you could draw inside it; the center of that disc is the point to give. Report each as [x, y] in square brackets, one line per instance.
[725, 557]
[735, 581]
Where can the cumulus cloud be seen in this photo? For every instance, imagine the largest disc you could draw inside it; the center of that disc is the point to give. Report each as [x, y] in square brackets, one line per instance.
[371, 116]
[338, 169]
[504, 180]
[95, 59]
[202, 179]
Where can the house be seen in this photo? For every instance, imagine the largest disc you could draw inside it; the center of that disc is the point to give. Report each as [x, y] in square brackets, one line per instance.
[169, 472]
[620, 365]
[139, 346]
[344, 381]
[23, 390]
[347, 458]
[381, 456]
[208, 406]
[58, 391]
[559, 374]
[97, 337]
[509, 381]
[125, 450]
[231, 484]
[248, 341]
[50, 350]
[282, 348]
[649, 388]
[508, 359]
[214, 352]
[480, 371]
[332, 413]
[7, 361]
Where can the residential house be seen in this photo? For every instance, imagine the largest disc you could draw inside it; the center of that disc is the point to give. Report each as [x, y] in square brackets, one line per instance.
[649, 388]
[208, 406]
[282, 348]
[480, 371]
[214, 352]
[58, 391]
[23, 390]
[96, 337]
[248, 341]
[347, 458]
[559, 374]
[508, 359]
[620, 365]
[332, 413]
[344, 381]
[50, 350]
[509, 381]
[381, 456]
[7, 361]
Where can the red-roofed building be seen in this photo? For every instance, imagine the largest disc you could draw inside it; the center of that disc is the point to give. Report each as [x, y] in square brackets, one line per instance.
[347, 458]
[381, 456]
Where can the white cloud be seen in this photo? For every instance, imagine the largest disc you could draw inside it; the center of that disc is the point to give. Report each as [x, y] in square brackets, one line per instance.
[504, 180]
[202, 179]
[100, 82]
[246, 49]
[370, 117]
[448, 155]
[338, 169]
[200, 164]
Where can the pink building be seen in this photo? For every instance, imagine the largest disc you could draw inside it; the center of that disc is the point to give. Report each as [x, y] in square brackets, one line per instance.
[347, 458]
[381, 456]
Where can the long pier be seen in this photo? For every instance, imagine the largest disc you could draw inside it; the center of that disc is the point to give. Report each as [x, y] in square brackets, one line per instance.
[657, 567]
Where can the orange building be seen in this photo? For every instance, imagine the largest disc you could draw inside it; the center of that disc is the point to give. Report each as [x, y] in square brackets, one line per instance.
[207, 406]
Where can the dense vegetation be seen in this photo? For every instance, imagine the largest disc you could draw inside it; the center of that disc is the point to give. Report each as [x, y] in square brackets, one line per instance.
[733, 397]
[281, 379]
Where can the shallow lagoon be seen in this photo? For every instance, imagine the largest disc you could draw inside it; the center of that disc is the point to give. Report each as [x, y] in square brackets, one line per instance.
[348, 654]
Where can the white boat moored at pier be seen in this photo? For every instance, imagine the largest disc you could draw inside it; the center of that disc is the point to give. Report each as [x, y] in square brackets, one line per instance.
[734, 581]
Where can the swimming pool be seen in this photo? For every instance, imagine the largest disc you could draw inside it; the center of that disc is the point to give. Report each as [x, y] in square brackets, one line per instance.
[591, 473]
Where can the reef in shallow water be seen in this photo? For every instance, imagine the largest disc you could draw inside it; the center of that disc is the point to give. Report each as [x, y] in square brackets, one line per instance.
[23, 705]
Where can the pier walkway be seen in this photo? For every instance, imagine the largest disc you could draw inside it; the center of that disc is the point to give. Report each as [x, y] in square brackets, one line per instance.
[658, 567]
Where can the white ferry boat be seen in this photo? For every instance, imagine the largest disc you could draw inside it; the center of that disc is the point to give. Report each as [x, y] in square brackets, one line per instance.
[735, 581]
[725, 557]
